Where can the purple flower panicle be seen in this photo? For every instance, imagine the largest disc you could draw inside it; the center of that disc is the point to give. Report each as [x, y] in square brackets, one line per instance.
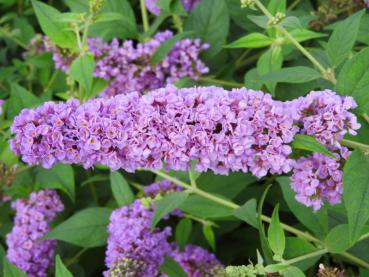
[223, 130]
[317, 178]
[162, 187]
[133, 249]
[326, 116]
[31, 223]
[127, 66]
[1, 106]
[197, 261]
[188, 5]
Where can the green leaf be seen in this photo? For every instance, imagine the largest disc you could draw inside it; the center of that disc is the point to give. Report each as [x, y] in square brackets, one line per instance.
[292, 271]
[167, 204]
[267, 253]
[296, 74]
[54, 29]
[20, 98]
[172, 268]
[317, 222]
[208, 232]
[61, 176]
[276, 237]
[228, 186]
[275, 6]
[123, 28]
[2, 256]
[296, 247]
[253, 40]
[87, 228]
[310, 143]
[247, 212]
[82, 70]
[343, 39]
[202, 207]
[268, 62]
[120, 188]
[183, 232]
[108, 17]
[166, 46]
[302, 35]
[210, 22]
[337, 240]
[60, 268]
[356, 192]
[11, 270]
[353, 79]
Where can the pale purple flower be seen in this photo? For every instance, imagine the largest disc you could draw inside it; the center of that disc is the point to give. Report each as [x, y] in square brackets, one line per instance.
[133, 248]
[26, 250]
[188, 5]
[127, 66]
[162, 187]
[318, 178]
[223, 130]
[1, 106]
[366, 2]
[325, 115]
[197, 261]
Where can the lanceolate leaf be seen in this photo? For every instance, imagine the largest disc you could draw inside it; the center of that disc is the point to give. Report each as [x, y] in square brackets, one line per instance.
[11, 270]
[354, 79]
[296, 74]
[210, 22]
[167, 204]
[356, 192]
[309, 143]
[60, 268]
[120, 188]
[253, 40]
[183, 231]
[172, 268]
[247, 212]
[341, 41]
[276, 237]
[337, 240]
[87, 228]
[55, 30]
[208, 232]
[82, 70]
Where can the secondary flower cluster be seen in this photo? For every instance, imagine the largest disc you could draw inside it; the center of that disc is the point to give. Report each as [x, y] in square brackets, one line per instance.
[223, 130]
[132, 246]
[326, 116]
[136, 250]
[188, 5]
[128, 66]
[1, 106]
[25, 249]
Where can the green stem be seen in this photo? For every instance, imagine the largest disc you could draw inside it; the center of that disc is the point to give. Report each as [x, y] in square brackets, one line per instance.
[267, 219]
[75, 257]
[306, 256]
[178, 23]
[51, 81]
[136, 185]
[327, 74]
[145, 20]
[355, 145]
[200, 220]
[366, 117]
[220, 82]
[240, 58]
[293, 5]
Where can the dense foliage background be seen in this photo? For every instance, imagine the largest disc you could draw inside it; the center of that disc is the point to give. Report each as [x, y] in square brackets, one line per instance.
[285, 48]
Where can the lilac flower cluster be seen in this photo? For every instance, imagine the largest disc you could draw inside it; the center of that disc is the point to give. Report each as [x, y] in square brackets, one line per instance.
[128, 66]
[188, 5]
[326, 116]
[163, 187]
[317, 178]
[133, 249]
[366, 2]
[197, 261]
[223, 130]
[25, 250]
[1, 106]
